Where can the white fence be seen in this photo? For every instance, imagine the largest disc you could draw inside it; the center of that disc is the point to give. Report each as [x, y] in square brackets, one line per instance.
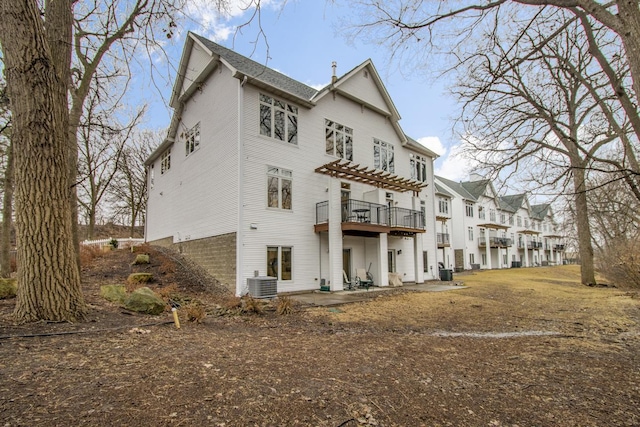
[126, 242]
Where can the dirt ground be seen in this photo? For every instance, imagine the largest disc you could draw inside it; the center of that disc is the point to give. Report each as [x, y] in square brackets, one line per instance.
[518, 347]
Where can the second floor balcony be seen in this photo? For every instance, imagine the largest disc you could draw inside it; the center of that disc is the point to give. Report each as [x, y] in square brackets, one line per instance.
[367, 218]
[443, 240]
[495, 242]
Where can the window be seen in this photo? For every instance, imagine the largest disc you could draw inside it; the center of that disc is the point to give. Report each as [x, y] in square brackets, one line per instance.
[339, 140]
[526, 222]
[383, 156]
[480, 212]
[484, 259]
[192, 139]
[470, 231]
[472, 259]
[279, 262]
[278, 120]
[279, 187]
[418, 165]
[469, 209]
[151, 177]
[492, 215]
[510, 219]
[425, 262]
[165, 161]
[503, 218]
[443, 206]
[519, 221]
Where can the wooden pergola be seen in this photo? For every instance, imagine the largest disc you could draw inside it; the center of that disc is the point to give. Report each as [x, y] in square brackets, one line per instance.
[344, 169]
[494, 226]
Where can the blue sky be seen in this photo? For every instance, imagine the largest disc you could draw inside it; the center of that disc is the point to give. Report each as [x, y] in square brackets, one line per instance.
[303, 38]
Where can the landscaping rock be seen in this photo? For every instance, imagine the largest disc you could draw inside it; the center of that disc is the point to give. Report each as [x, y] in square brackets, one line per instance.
[141, 259]
[8, 288]
[113, 293]
[144, 300]
[140, 278]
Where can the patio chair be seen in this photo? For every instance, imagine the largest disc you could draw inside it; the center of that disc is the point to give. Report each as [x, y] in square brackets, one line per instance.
[348, 284]
[363, 278]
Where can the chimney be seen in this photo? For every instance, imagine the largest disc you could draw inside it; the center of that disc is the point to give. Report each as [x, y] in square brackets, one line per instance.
[334, 78]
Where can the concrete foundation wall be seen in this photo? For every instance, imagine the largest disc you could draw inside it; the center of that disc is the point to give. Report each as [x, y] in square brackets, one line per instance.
[217, 255]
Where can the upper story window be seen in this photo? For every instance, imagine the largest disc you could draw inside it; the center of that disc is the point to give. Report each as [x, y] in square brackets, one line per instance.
[481, 214]
[519, 221]
[469, 209]
[191, 139]
[510, 219]
[278, 119]
[383, 156]
[503, 218]
[152, 176]
[526, 222]
[418, 165]
[492, 215]
[443, 206]
[279, 188]
[470, 233]
[339, 140]
[165, 161]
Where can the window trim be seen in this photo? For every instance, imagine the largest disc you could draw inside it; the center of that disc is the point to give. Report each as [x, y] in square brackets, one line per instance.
[280, 262]
[281, 175]
[386, 148]
[346, 133]
[165, 161]
[193, 135]
[277, 108]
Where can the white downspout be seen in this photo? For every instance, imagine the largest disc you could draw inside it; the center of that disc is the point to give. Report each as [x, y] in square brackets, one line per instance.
[240, 286]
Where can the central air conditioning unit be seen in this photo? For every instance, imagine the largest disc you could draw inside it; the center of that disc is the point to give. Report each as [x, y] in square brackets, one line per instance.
[263, 286]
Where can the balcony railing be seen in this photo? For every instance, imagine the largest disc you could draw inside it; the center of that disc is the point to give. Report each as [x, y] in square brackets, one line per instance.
[359, 211]
[558, 247]
[443, 239]
[405, 218]
[534, 245]
[495, 242]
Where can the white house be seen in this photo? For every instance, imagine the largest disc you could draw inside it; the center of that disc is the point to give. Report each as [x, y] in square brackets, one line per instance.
[492, 231]
[261, 175]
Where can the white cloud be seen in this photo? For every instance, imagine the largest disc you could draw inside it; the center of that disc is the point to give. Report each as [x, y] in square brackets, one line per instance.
[454, 166]
[434, 144]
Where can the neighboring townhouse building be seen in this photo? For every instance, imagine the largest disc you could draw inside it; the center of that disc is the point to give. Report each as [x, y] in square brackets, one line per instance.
[443, 225]
[261, 175]
[492, 231]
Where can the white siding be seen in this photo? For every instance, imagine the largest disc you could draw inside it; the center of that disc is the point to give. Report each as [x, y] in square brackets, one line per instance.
[197, 197]
[197, 62]
[362, 85]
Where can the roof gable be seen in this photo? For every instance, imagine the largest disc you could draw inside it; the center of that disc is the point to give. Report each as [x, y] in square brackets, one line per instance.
[457, 188]
[364, 86]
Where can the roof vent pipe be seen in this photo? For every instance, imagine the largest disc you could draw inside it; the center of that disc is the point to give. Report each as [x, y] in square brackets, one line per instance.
[334, 78]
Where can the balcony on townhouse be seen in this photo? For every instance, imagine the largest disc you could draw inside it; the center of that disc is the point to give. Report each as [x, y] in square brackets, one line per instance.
[443, 240]
[534, 245]
[558, 247]
[363, 218]
[495, 242]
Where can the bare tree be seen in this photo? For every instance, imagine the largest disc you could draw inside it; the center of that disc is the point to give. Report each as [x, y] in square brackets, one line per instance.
[7, 183]
[543, 117]
[101, 143]
[36, 59]
[129, 190]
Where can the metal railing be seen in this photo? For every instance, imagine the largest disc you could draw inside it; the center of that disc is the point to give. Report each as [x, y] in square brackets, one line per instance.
[495, 242]
[372, 213]
[443, 238]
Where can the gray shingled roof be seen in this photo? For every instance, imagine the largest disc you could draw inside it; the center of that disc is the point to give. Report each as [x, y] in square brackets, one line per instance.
[441, 190]
[476, 188]
[540, 211]
[512, 203]
[261, 72]
[458, 188]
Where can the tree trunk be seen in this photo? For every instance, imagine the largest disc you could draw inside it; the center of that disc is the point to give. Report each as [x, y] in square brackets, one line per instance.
[48, 275]
[7, 216]
[587, 271]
